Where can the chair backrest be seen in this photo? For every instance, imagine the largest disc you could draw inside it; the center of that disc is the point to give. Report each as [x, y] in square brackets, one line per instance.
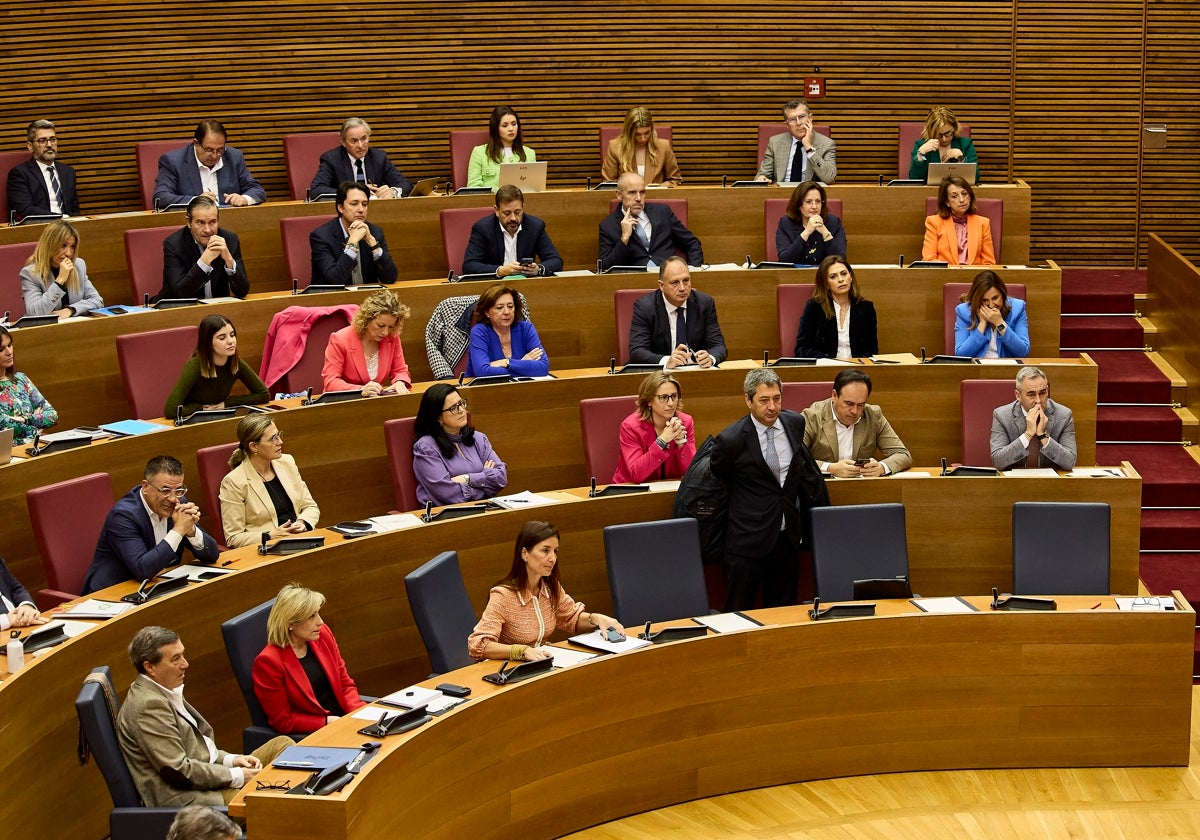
[993, 208]
[790, 300]
[302, 154]
[245, 636]
[907, 134]
[150, 363]
[1060, 548]
[952, 296]
[798, 396]
[442, 611]
[878, 549]
[297, 253]
[67, 551]
[7, 161]
[400, 435]
[148, 152]
[600, 421]
[12, 260]
[979, 398]
[623, 301]
[768, 130]
[654, 571]
[456, 232]
[462, 141]
[213, 463]
[306, 373]
[144, 258]
[608, 133]
[678, 206]
[100, 730]
[773, 211]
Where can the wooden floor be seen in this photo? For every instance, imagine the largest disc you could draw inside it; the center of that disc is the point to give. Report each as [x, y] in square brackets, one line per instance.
[1120, 802]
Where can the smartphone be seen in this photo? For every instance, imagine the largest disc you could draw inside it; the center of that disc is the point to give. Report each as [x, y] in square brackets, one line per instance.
[612, 635]
[354, 526]
[861, 462]
[452, 690]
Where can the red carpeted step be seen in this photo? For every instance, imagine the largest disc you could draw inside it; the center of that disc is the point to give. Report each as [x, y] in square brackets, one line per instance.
[1099, 303]
[1138, 423]
[1103, 280]
[1170, 530]
[1170, 477]
[1164, 572]
[1130, 377]
[1097, 331]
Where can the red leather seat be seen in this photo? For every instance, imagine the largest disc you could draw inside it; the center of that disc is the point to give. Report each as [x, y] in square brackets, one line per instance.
[993, 208]
[798, 396]
[148, 152]
[400, 435]
[12, 260]
[979, 398]
[213, 463]
[907, 134]
[150, 364]
[302, 155]
[790, 300]
[623, 301]
[67, 518]
[297, 253]
[144, 257]
[608, 133]
[774, 209]
[952, 296]
[462, 141]
[600, 421]
[456, 232]
[7, 161]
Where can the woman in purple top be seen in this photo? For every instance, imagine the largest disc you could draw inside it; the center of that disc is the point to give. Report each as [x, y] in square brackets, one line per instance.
[452, 461]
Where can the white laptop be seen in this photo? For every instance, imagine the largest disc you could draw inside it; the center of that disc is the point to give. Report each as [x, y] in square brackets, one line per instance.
[938, 171]
[530, 177]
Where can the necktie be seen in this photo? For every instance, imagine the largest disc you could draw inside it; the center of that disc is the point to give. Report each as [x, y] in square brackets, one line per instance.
[643, 236]
[681, 336]
[797, 173]
[356, 275]
[359, 174]
[57, 187]
[1035, 450]
[771, 454]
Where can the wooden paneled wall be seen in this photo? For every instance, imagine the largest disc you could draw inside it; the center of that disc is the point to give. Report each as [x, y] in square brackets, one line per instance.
[1055, 93]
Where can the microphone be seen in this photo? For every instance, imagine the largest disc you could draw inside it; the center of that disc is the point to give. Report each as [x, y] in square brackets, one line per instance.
[724, 181]
[612, 364]
[902, 261]
[592, 491]
[461, 376]
[295, 286]
[262, 549]
[766, 358]
[944, 470]
[146, 301]
[995, 597]
[599, 267]
[922, 354]
[179, 415]
[428, 517]
[589, 183]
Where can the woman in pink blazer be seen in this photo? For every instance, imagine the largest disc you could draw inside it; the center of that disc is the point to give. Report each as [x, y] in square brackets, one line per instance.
[367, 355]
[657, 441]
[957, 211]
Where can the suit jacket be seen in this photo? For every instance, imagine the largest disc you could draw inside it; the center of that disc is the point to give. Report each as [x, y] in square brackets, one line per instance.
[12, 590]
[872, 432]
[332, 265]
[285, 692]
[167, 756]
[28, 194]
[822, 163]
[664, 171]
[485, 250]
[1008, 424]
[345, 365]
[184, 278]
[178, 180]
[126, 549]
[667, 235]
[650, 330]
[941, 242]
[817, 335]
[797, 250]
[335, 167]
[246, 507]
[757, 502]
[1013, 344]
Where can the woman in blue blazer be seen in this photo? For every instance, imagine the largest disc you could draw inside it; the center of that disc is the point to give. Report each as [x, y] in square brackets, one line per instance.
[988, 324]
[502, 342]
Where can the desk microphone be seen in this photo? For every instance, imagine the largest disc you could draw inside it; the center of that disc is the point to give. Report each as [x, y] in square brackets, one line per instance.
[146, 301]
[724, 181]
[944, 471]
[295, 285]
[612, 364]
[428, 517]
[766, 358]
[922, 354]
[179, 415]
[592, 491]
[262, 549]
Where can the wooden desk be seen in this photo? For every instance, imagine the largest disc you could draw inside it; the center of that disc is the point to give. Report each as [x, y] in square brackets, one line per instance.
[900, 692]
[1172, 283]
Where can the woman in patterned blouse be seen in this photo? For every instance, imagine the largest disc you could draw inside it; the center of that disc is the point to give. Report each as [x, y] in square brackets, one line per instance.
[22, 407]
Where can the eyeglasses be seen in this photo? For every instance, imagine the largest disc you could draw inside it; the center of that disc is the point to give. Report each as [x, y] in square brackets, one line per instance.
[798, 119]
[458, 408]
[218, 151]
[284, 785]
[667, 399]
[275, 438]
[177, 492]
[949, 133]
[45, 141]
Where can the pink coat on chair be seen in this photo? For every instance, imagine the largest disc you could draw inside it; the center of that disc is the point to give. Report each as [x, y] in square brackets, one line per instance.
[283, 345]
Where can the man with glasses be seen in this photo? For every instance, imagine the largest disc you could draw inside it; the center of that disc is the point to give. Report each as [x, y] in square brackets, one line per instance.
[41, 186]
[149, 529]
[206, 166]
[676, 325]
[845, 431]
[201, 259]
[800, 153]
[1033, 430]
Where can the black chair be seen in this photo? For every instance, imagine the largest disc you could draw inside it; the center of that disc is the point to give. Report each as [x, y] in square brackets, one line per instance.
[129, 819]
[654, 571]
[245, 636]
[857, 542]
[1060, 548]
[442, 610]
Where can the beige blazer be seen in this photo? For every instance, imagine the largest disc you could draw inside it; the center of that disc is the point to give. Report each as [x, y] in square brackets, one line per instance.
[246, 508]
[666, 171]
[872, 432]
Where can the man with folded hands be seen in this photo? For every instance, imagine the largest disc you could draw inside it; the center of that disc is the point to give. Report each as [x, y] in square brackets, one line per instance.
[1033, 430]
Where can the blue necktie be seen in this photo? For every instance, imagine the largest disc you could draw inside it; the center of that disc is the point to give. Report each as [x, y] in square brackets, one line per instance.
[57, 187]
[771, 454]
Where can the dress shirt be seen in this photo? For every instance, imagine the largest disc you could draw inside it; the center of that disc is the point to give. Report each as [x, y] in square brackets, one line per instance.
[209, 183]
[792, 176]
[55, 207]
[356, 163]
[783, 450]
[207, 268]
[843, 331]
[9, 606]
[510, 244]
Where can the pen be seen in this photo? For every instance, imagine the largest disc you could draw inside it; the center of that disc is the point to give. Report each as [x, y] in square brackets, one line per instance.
[227, 562]
[1097, 606]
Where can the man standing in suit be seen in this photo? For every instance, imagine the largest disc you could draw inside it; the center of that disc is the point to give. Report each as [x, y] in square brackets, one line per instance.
[18, 609]
[148, 529]
[41, 186]
[206, 167]
[202, 259]
[167, 744]
[499, 245]
[655, 334]
[846, 429]
[1033, 430]
[773, 482]
[637, 233]
[348, 250]
[799, 154]
[355, 160]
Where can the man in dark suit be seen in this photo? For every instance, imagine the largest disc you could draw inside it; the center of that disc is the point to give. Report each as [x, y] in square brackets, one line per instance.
[41, 186]
[201, 259]
[773, 482]
[1033, 430]
[355, 160]
[800, 153]
[499, 246]
[16, 607]
[148, 529]
[654, 333]
[637, 233]
[208, 167]
[348, 250]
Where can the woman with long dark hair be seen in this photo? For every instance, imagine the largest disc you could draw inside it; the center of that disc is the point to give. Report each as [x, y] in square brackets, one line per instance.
[210, 374]
[451, 460]
[506, 144]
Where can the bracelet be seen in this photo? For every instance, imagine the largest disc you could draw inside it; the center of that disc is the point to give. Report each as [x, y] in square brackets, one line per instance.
[516, 653]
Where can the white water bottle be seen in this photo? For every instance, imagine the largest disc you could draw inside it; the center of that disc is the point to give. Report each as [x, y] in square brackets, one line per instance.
[16, 653]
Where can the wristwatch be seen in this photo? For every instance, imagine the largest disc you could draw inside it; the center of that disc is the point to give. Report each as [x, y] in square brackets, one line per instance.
[662, 444]
[1043, 437]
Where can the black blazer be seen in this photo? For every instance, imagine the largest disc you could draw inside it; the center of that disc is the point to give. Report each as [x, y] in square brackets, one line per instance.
[11, 588]
[28, 194]
[485, 251]
[756, 499]
[182, 278]
[331, 265]
[817, 335]
[667, 234]
[650, 329]
[335, 167]
[809, 251]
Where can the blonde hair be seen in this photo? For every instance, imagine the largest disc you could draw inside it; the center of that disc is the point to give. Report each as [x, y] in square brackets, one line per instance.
[250, 430]
[379, 303]
[937, 117]
[52, 239]
[294, 603]
[636, 118]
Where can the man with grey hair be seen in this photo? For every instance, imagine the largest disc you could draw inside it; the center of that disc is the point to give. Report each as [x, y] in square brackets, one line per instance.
[42, 186]
[167, 744]
[800, 153]
[1033, 430]
[355, 160]
[200, 822]
[773, 483]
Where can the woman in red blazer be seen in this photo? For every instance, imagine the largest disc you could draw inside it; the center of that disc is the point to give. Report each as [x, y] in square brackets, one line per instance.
[956, 209]
[367, 355]
[300, 677]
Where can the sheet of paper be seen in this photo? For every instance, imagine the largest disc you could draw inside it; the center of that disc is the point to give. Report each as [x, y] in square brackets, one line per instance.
[998, 361]
[411, 697]
[664, 486]
[74, 628]
[720, 267]
[1149, 603]
[911, 474]
[901, 358]
[835, 363]
[520, 501]
[1035, 472]
[372, 713]
[727, 622]
[95, 608]
[942, 605]
[69, 434]
[193, 572]
[395, 522]
[1096, 472]
[566, 657]
[219, 300]
[596, 641]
